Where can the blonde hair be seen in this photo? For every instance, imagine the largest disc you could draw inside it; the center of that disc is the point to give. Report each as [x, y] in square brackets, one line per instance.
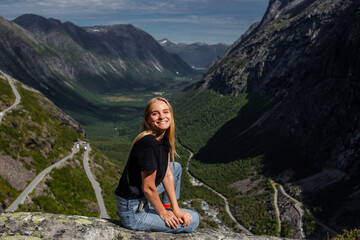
[146, 128]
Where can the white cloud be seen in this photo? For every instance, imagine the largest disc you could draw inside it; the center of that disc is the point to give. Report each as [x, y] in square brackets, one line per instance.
[217, 17]
[70, 7]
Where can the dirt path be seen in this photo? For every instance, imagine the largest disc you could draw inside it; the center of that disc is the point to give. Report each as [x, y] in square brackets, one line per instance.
[197, 182]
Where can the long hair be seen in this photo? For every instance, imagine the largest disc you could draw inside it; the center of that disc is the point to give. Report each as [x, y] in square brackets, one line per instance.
[146, 128]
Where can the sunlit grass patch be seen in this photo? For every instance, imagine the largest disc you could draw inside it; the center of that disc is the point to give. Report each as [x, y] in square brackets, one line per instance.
[122, 99]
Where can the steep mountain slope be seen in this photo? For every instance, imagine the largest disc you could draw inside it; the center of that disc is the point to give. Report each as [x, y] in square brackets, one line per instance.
[307, 58]
[68, 63]
[298, 71]
[22, 56]
[33, 136]
[197, 55]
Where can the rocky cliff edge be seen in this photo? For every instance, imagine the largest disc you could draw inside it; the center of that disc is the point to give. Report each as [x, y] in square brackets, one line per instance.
[27, 225]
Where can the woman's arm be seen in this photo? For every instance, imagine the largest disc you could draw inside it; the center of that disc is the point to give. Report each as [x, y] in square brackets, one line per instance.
[151, 193]
[168, 182]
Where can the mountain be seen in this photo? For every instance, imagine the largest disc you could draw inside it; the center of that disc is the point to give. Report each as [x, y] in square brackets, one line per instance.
[198, 55]
[36, 134]
[69, 63]
[308, 62]
[166, 43]
[284, 99]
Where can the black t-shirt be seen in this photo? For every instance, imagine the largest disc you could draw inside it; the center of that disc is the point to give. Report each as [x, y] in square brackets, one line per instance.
[147, 154]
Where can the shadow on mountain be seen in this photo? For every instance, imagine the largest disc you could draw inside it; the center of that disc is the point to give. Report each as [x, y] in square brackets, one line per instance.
[242, 138]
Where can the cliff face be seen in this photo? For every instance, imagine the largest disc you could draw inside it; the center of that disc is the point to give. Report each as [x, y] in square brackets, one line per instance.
[51, 226]
[306, 55]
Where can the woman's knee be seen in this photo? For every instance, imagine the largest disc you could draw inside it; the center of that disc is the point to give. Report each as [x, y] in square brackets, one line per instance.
[194, 223]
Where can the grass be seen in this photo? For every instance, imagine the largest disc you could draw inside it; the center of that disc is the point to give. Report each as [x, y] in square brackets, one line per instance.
[199, 115]
[348, 235]
[188, 191]
[194, 193]
[7, 192]
[309, 223]
[254, 209]
[122, 99]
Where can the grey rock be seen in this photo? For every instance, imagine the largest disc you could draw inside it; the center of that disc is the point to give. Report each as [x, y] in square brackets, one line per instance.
[26, 225]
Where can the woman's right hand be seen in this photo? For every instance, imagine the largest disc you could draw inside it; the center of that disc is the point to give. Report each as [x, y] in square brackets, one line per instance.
[169, 218]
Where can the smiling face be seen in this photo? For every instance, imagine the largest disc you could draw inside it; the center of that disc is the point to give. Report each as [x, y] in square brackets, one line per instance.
[159, 117]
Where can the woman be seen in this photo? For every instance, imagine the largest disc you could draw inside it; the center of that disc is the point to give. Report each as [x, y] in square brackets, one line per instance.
[149, 173]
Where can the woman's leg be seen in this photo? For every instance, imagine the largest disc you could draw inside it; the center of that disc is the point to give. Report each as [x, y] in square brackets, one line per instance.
[149, 220]
[126, 211]
[177, 181]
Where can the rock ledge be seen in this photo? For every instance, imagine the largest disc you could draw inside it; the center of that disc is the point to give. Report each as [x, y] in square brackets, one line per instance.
[28, 225]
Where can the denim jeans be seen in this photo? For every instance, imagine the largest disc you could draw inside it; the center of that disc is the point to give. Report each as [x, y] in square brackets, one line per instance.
[148, 219]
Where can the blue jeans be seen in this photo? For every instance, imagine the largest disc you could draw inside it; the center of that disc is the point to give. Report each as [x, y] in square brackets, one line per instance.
[148, 219]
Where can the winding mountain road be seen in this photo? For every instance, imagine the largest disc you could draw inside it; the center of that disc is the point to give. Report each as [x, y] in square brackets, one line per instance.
[94, 183]
[17, 95]
[36, 181]
[298, 206]
[41, 175]
[197, 182]
[277, 211]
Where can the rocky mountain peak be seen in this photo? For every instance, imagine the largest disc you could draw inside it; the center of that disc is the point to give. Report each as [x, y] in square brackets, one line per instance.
[287, 35]
[278, 7]
[166, 43]
[37, 23]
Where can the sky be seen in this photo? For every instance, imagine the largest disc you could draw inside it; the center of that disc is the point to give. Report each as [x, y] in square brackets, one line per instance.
[180, 21]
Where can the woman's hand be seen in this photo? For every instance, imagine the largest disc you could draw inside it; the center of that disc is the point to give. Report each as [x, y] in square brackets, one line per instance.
[184, 217]
[169, 218]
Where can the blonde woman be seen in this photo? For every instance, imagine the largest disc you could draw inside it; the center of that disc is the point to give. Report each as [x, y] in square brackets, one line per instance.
[149, 173]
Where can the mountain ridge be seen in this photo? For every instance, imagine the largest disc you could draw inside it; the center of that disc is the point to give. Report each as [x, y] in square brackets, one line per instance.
[198, 55]
[68, 63]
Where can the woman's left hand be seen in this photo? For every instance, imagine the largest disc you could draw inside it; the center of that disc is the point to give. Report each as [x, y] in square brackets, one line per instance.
[184, 217]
